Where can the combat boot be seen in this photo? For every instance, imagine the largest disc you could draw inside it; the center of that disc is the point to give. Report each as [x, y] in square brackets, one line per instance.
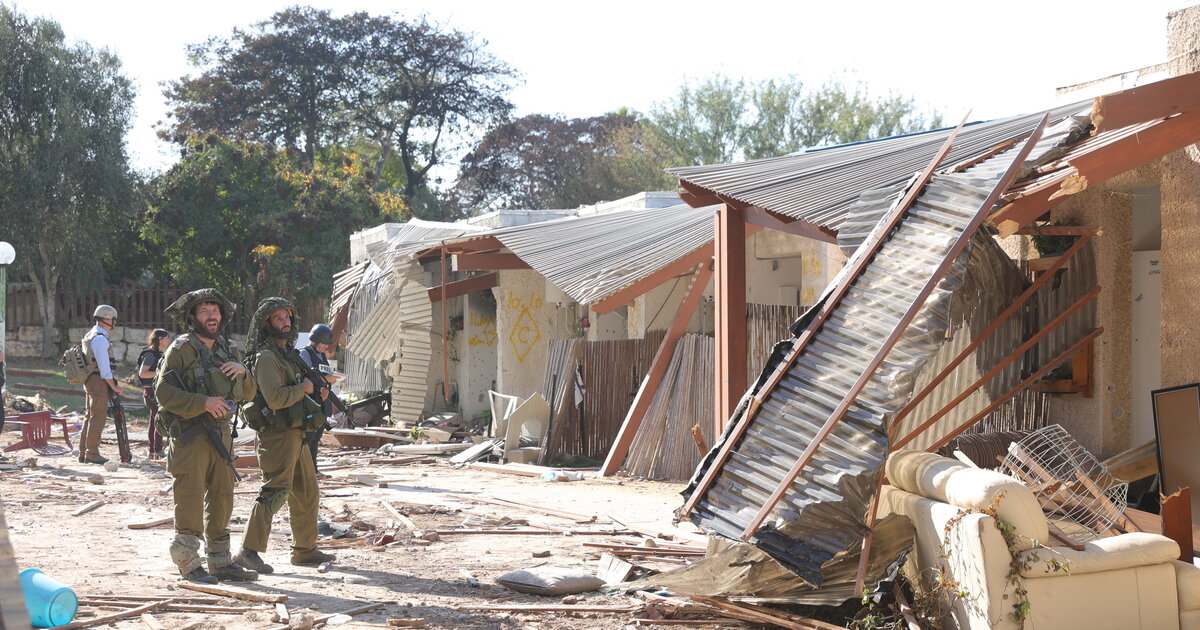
[200, 576]
[232, 572]
[316, 556]
[250, 559]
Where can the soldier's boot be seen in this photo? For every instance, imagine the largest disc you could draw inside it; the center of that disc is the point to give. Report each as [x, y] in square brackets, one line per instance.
[315, 556]
[200, 576]
[250, 559]
[233, 572]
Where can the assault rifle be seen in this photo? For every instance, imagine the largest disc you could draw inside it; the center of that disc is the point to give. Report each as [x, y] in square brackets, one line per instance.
[118, 414]
[317, 379]
[203, 425]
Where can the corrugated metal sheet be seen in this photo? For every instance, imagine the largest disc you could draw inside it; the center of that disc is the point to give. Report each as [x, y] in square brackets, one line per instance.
[820, 185]
[821, 516]
[590, 258]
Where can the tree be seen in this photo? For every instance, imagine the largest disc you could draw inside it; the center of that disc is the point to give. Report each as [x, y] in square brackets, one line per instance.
[540, 161]
[722, 120]
[305, 80]
[250, 220]
[64, 176]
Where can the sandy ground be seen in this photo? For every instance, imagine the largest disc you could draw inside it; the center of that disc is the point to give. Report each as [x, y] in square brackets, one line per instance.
[96, 553]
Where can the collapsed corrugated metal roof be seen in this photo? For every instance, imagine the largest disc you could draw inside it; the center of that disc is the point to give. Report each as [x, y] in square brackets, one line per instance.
[820, 185]
[590, 258]
[820, 517]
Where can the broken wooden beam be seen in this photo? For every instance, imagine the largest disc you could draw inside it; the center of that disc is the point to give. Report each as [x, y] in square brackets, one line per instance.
[103, 619]
[236, 593]
[89, 507]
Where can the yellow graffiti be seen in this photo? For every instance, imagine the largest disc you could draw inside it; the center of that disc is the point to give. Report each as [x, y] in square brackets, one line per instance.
[808, 296]
[813, 266]
[514, 302]
[525, 334]
[486, 327]
[634, 317]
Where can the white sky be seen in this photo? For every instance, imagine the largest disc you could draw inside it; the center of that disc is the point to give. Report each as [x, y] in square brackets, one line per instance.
[996, 58]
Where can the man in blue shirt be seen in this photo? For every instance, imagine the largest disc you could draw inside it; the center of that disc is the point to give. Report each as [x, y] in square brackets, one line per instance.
[98, 384]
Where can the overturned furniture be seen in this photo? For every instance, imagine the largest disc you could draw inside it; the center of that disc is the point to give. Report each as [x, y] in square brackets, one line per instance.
[36, 430]
[1128, 581]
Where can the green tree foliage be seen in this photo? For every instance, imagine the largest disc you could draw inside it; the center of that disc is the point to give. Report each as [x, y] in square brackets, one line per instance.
[540, 161]
[306, 80]
[65, 184]
[723, 120]
[250, 220]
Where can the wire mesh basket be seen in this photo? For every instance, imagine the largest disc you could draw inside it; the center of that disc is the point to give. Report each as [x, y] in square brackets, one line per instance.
[1079, 496]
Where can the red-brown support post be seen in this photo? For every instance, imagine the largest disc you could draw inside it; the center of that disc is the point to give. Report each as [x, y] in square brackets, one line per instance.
[730, 294]
[1177, 521]
[658, 369]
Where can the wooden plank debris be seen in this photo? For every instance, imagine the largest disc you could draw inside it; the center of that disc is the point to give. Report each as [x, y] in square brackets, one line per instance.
[103, 619]
[153, 522]
[89, 507]
[236, 593]
[578, 518]
[320, 621]
[281, 614]
[152, 623]
[551, 608]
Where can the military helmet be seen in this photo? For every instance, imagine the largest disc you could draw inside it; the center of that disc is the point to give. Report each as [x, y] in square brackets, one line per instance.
[321, 334]
[104, 311]
[182, 308]
[254, 335]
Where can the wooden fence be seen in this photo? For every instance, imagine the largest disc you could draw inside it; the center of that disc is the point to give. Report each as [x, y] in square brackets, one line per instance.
[137, 308]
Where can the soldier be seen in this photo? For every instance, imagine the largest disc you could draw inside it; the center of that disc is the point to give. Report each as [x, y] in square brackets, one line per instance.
[282, 412]
[199, 379]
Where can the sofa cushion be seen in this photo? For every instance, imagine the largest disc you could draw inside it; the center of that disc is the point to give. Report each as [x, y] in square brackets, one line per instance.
[1014, 503]
[1187, 579]
[921, 473]
[1137, 549]
[949, 481]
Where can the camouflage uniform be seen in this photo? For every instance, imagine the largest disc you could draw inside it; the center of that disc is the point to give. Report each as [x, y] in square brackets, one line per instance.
[282, 413]
[203, 480]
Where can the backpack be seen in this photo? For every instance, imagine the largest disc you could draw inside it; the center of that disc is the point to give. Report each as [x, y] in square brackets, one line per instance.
[78, 365]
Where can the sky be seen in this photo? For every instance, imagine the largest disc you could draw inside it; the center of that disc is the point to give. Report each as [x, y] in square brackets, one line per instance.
[994, 58]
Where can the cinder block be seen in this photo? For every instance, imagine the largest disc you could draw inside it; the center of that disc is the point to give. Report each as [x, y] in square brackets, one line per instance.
[22, 349]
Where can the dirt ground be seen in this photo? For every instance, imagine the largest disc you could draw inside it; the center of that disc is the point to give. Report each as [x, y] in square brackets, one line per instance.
[95, 553]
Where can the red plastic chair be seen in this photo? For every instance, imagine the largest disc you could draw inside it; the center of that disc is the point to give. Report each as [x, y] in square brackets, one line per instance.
[35, 434]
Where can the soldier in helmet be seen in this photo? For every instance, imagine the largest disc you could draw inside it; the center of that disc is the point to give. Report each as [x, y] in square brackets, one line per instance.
[200, 378]
[283, 411]
[98, 384]
[316, 355]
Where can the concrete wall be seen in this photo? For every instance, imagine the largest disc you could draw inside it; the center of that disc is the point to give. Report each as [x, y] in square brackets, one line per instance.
[479, 345]
[1102, 423]
[1180, 185]
[525, 324]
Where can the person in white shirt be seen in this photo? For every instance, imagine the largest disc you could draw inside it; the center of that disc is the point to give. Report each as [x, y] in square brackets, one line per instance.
[99, 384]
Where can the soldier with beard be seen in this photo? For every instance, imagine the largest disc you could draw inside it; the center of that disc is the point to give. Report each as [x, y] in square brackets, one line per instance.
[199, 378]
[283, 411]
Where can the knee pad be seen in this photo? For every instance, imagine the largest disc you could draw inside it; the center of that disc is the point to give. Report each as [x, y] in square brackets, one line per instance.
[185, 552]
[272, 499]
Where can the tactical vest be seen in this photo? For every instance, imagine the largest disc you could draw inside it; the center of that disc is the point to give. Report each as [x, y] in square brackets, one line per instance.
[202, 376]
[306, 414]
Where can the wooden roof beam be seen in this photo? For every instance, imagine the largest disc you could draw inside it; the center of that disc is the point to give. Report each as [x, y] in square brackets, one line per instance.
[454, 289]
[1092, 168]
[697, 196]
[475, 245]
[649, 282]
[782, 223]
[488, 262]
[1146, 102]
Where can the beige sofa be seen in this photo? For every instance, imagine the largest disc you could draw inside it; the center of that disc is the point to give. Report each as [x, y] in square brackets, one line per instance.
[1127, 582]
